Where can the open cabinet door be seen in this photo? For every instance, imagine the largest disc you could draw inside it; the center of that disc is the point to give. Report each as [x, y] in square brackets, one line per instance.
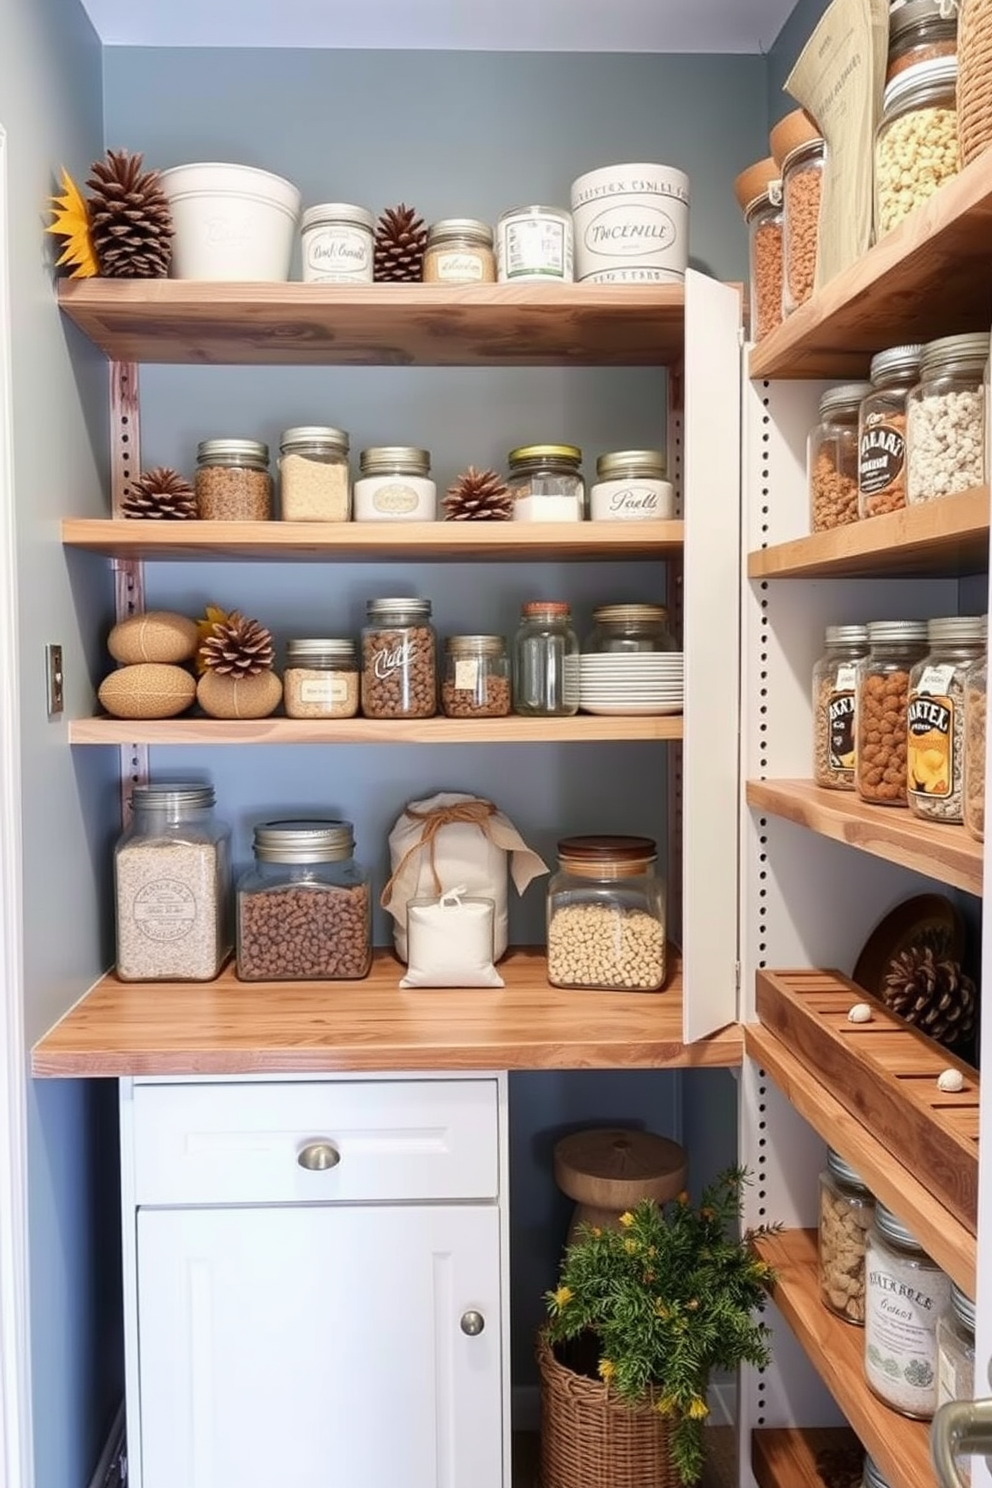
[711, 619]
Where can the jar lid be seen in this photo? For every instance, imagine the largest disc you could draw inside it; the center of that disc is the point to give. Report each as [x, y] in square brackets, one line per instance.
[895, 362]
[552, 607]
[304, 841]
[334, 648]
[880, 631]
[847, 395]
[559, 213]
[613, 1167]
[924, 83]
[844, 1171]
[314, 434]
[593, 849]
[329, 212]
[233, 449]
[385, 609]
[172, 796]
[963, 1308]
[631, 614]
[399, 459]
[460, 227]
[918, 12]
[754, 182]
[483, 645]
[814, 149]
[952, 628]
[649, 463]
[794, 130]
[973, 346]
[872, 1477]
[846, 635]
[894, 1229]
[531, 452]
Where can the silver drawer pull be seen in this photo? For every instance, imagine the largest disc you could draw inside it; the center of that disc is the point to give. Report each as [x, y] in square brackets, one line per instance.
[473, 1323]
[316, 1157]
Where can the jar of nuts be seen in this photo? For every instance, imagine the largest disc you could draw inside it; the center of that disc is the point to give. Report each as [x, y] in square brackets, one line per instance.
[399, 664]
[975, 690]
[916, 146]
[834, 688]
[945, 419]
[759, 193]
[936, 722]
[802, 184]
[881, 706]
[846, 1209]
[476, 681]
[606, 915]
[882, 431]
[232, 481]
[313, 475]
[832, 457]
[304, 910]
[321, 679]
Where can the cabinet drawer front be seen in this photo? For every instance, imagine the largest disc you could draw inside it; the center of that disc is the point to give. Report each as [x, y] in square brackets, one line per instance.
[363, 1140]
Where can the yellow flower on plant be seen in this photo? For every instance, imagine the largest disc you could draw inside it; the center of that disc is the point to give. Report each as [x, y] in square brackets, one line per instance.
[204, 629]
[563, 1296]
[698, 1409]
[626, 1219]
[661, 1309]
[597, 1231]
[667, 1405]
[607, 1369]
[631, 1246]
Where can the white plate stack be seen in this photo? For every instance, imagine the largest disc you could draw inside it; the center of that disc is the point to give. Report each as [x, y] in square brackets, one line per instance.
[631, 682]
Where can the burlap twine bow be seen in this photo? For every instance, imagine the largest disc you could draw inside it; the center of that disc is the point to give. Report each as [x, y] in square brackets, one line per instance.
[472, 813]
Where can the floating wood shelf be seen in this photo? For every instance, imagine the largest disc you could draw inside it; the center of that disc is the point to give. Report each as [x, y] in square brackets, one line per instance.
[583, 729]
[950, 536]
[793, 1458]
[945, 853]
[927, 278]
[899, 1447]
[184, 321]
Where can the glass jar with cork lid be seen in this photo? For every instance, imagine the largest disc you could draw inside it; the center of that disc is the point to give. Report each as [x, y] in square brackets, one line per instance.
[799, 151]
[232, 481]
[759, 196]
[606, 915]
[546, 667]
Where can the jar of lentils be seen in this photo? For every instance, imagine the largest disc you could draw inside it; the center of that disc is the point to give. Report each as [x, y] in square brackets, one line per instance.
[920, 31]
[832, 457]
[476, 682]
[313, 475]
[606, 915]
[546, 663]
[882, 704]
[905, 1294]
[936, 721]
[321, 679]
[835, 678]
[945, 418]
[846, 1209]
[882, 431]
[975, 690]
[232, 481]
[916, 146]
[546, 483]
[399, 663]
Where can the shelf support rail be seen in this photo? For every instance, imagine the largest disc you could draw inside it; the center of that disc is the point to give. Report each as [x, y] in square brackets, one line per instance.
[129, 573]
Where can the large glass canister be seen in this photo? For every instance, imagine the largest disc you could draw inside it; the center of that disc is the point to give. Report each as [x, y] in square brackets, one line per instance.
[606, 915]
[232, 481]
[304, 909]
[835, 678]
[802, 185]
[905, 1294]
[172, 882]
[881, 707]
[546, 483]
[314, 484]
[476, 681]
[629, 629]
[832, 457]
[759, 195]
[945, 418]
[975, 690]
[882, 431]
[916, 144]
[936, 717]
[399, 659]
[546, 661]
[956, 1357]
[846, 1209]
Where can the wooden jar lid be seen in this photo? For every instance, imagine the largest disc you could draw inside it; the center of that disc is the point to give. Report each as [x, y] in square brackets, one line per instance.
[789, 133]
[611, 1168]
[755, 181]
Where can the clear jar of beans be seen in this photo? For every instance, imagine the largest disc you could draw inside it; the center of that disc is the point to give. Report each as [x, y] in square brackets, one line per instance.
[894, 648]
[232, 481]
[846, 1209]
[399, 661]
[606, 915]
[882, 431]
[832, 457]
[476, 682]
[802, 183]
[304, 909]
[916, 145]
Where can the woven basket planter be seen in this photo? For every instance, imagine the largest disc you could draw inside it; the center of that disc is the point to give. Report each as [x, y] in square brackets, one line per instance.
[590, 1439]
[974, 78]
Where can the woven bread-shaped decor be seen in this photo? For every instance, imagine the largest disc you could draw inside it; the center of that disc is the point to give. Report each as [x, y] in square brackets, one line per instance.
[974, 99]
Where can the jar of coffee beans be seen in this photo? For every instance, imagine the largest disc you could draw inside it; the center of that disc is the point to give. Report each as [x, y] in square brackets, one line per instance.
[936, 720]
[232, 481]
[894, 648]
[476, 677]
[606, 915]
[304, 909]
[399, 673]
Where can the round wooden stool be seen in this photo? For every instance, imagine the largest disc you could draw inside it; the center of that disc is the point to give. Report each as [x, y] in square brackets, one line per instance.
[607, 1170]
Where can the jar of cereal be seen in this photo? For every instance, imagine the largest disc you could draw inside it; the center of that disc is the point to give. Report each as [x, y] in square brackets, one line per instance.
[936, 722]
[606, 915]
[881, 706]
[916, 146]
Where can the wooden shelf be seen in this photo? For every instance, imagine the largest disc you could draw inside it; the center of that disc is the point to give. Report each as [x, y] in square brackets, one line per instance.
[949, 536]
[185, 321]
[793, 1458]
[927, 278]
[232, 1027]
[944, 853]
[899, 1447]
[393, 542]
[583, 729]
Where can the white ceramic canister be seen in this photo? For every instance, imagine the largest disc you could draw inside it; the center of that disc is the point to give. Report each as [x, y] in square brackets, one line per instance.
[631, 225]
[631, 487]
[337, 244]
[394, 485]
[534, 244]
[232, 222]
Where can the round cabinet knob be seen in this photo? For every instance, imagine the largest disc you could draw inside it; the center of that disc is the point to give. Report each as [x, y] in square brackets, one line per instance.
[316, 1157]
[473, 1323]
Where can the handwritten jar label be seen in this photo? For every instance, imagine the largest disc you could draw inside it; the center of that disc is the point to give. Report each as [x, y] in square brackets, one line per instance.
[337, 254]
[632, 501]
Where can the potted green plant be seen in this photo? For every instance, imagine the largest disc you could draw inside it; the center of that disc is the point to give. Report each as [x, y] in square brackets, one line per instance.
[641, 1317]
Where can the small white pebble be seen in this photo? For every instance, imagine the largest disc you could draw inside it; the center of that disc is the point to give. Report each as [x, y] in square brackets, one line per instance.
[950, 1081]
[860, 1013]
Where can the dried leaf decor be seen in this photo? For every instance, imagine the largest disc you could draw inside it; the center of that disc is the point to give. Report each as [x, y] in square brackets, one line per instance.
[71, 222]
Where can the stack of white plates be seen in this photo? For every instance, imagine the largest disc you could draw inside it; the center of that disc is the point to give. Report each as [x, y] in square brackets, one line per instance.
[631, 682]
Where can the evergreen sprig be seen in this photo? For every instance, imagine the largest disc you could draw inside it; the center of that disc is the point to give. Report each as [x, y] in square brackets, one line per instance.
[669, 1297]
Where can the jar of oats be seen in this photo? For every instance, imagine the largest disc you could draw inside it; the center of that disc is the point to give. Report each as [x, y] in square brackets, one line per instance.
[882, 431]
[975, 690]
[881, 706]
[313, 475]
[846, 1209]
[936, 721]
[321, 679]
[606, 915]
[916, 146]
[905, 1293]
[832, 457]
[835, 678]
[232, 481]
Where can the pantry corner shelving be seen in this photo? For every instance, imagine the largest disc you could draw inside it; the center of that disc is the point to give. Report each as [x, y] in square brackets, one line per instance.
[585, 728]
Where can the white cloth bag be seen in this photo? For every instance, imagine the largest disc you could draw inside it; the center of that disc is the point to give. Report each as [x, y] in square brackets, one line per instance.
[450, 943]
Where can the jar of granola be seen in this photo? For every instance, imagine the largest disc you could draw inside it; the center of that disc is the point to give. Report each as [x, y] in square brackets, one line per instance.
[232, 481]
[935, 723]
[834, 687]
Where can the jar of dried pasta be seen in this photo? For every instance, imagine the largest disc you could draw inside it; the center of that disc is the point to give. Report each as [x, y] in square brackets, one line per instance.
[834, 689]
[759, 194]
[313, 475]
[832, 457]
[935, 720]
[882, 431]
[232, 480]
[975, 689]
[916, 146]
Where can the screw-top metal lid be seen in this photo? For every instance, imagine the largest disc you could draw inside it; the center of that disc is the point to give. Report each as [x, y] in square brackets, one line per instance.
[630, 614]
[846, 635]
[535, 210]
[898, 631]
[842, 1170]
[957, 628]
[325, 213]
[846, 397]
[894, 1229]
[172, 796]
[317, 650]
[398, 459]
[555, 608]
[917, 12]
[389, 609]
[927, 82]
[898, 361]
[475, 645]
[216, 451]
[535, 453]
[314, 434]
[469, 228]
[871, 1476]
[972, 348]
[649, 464]
[304, 841]
[963, 1308]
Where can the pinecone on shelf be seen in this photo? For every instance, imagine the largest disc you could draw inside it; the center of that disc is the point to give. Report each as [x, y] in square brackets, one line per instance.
[933, 994]
[400, 240]
[478, 496]
[130, 218]
[161, 493]
[237, 647]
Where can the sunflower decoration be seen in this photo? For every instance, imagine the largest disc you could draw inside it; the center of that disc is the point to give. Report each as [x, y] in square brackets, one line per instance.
[72, 223]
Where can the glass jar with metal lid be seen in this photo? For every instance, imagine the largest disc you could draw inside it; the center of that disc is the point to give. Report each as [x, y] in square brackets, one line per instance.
[232, 481]
[476, 681]
[835, 679]
[629, 628]
[956, 1357]
[399, 659]
[882, 431]
[313, 475]
[459, 251]
[936, 721]
[631, 487]
[546, 661]
[534, 245]
[802, 185]
[546, 484]
[172, 884]
[975, 691]
[916, 144]
[606, 915]
[846, 1208]
[321, 678]
[338, 242]
[395, 485]
[920, 31]
[945, 418]
[881, 707]
[304, 910]
[905, 1293]
[832, 457]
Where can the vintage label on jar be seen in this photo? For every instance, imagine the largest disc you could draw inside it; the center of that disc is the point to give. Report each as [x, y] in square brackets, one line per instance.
[930, 762]
[395, 499]
[398, 658]
[337, 255]
[840, 719]
[535, 246]
[466, 674]
[458, 268]
[324, 690]
[164, 910]
[881, 457]
[902, 1307]
[631, 501]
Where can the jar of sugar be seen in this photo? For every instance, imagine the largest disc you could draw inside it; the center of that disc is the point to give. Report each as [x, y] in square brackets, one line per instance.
[546, 483]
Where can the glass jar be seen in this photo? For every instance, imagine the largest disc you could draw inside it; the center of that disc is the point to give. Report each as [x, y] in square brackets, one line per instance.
[304, 910]
[394, 485]
[476, 677]
[232, 481]
[935, 720]
[945, 419]
[546, 484]
[871, 1476]
[546, 661]
[765, 229]
[882, 431]
[534, 244]
[975, 689]
[606, 915]
[172, 885]
[956, 1358]
[832, 457]
[631, 487]
[905, 1293]
[629, 628]
[835, 677]
[321, 679]
[846, 1209]
[337, 242]
[399, 663]
[460, 251]
[920, 31]
[802, 184]
[916, 144]
[313, 475]
[881, 706]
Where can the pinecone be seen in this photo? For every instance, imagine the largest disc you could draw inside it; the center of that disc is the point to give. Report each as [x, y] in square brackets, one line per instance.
[934, 995]
[237, 647]
[400, 240]
[130, 218]
[478, 496]
[161, 493]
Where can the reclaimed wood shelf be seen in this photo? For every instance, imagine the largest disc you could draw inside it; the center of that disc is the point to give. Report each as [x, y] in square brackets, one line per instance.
[292, 324]
[945, 537]
[582, 729]
[801, 1457]
[392, 542]
[899, 1447]
[233, 1027]
[926, 278]
[942, 852]
[901, 1189]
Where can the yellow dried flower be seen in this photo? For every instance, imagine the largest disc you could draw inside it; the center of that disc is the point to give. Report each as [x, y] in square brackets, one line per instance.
[626, 1219]
[563, 1296]
[698, 1409]
[631, 1247]
[72, 223]
[661, 1310]
[607, 1369]
[667, 1405]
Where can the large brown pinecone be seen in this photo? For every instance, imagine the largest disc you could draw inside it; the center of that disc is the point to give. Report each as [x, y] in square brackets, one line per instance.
[400, 240]
[160, 493]
[237, 647]
[934, 995]
[478, 496]
[130, 218]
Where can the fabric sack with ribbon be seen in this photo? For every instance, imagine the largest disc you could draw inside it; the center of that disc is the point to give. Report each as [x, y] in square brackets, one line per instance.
[450, 942]
[455, 841]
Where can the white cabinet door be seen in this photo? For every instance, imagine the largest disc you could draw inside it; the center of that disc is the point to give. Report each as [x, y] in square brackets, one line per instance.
[319, 1347]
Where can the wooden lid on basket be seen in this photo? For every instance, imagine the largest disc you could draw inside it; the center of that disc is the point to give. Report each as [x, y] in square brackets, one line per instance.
[789, 133]
[755, 181]
[611, 1168]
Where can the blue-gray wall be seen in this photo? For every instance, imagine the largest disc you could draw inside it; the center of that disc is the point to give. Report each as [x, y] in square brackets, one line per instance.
[782, 57]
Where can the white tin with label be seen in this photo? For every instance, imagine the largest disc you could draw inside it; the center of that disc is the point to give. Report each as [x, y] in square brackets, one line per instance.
[395, 486]
[631, 487]
[337, 244]
[534, 243]
[631, 225]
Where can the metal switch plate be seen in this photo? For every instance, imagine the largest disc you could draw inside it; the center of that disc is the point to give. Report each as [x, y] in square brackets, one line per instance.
[53, 671]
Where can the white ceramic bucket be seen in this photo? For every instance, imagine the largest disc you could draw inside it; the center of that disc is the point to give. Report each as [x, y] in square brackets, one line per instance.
[631, 225]
[232, 222]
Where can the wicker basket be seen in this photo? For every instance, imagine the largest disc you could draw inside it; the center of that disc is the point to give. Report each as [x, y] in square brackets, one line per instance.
[590, 1439]
[974, 78]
